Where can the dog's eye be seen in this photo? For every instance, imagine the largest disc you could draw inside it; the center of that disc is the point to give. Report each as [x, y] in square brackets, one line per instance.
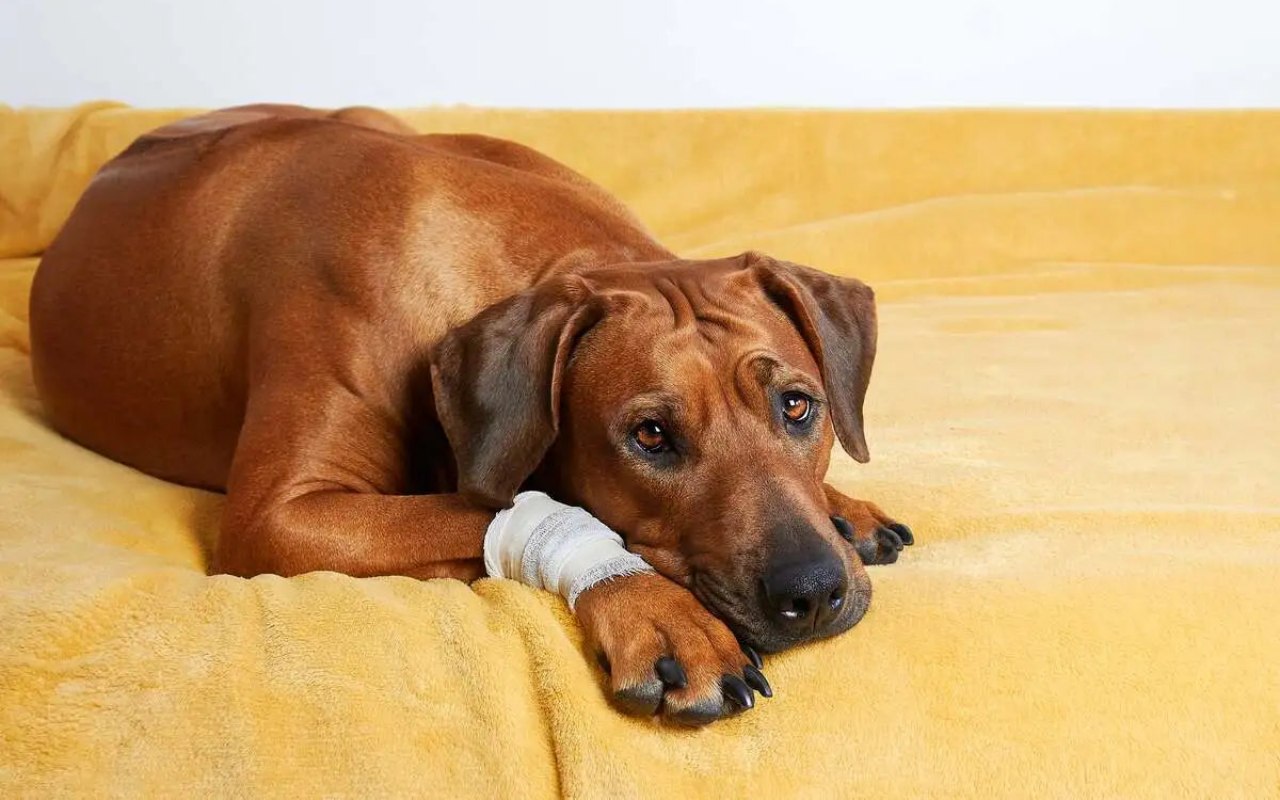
[797, 407]
[650, 436]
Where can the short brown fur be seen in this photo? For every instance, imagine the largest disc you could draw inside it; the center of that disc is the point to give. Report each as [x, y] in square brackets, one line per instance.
[285, 304]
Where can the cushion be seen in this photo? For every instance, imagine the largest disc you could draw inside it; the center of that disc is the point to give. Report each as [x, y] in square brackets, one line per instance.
[1076, 406]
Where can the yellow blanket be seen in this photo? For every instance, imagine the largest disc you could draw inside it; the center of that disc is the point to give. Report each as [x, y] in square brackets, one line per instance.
[1076, 406]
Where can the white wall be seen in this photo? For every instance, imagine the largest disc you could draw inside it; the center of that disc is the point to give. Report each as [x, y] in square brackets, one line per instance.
[659, 53]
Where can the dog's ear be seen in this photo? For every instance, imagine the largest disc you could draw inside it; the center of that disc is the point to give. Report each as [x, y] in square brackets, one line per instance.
[496, 382]
[837, 317]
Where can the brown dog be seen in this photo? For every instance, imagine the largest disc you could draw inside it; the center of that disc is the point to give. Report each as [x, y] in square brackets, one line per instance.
[371, 340]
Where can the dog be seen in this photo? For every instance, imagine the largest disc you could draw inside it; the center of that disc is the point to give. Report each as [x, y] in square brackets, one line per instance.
[372, 339]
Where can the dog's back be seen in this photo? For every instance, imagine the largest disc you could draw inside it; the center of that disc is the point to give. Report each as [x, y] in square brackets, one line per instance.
[216, 239]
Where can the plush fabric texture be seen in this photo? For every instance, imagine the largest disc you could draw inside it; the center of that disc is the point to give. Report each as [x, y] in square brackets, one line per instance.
[1076, 406]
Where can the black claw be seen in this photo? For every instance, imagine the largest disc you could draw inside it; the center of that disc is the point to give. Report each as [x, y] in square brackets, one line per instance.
[738, 691]
[756, 680]
[752, 656]
[904, 533]
[671, 673]
[843, 526]
[889, 538]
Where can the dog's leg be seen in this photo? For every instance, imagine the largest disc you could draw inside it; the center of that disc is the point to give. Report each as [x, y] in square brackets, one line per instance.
[313, 487]
[356, 533]
[877, 536]
[665, 653]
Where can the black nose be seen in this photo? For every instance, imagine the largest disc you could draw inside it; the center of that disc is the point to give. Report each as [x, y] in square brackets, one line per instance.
[805, 595]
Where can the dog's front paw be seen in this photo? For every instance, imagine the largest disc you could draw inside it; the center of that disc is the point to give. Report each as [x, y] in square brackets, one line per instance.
[666, 655]
[876, 536]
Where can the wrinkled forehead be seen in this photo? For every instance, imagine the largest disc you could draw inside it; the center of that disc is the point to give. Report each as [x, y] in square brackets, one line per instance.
[686, 329]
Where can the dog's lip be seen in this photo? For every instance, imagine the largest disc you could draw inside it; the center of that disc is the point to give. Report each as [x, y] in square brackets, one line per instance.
[732, 611]
[758, 634]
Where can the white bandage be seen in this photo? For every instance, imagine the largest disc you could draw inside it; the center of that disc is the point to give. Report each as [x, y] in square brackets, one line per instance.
[552, 546]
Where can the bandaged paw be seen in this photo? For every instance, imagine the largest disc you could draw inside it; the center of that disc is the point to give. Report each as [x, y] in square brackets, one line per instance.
[549, 545]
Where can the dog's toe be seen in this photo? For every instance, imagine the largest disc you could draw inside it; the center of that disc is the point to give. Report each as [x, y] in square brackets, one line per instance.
[889, 539]
[701, 713]
[641, 699]
[881, 548]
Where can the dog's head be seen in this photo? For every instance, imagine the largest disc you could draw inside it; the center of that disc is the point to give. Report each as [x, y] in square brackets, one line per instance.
[691, 406]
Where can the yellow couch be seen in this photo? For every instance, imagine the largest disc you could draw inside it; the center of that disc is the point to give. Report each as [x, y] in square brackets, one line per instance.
[1076, 406]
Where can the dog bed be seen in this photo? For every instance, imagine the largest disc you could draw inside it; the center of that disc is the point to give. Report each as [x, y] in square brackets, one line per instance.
[1076, 406]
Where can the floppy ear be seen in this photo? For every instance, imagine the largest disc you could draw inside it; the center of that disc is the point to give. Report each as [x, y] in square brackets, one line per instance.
[837, 317]
[496, 382]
